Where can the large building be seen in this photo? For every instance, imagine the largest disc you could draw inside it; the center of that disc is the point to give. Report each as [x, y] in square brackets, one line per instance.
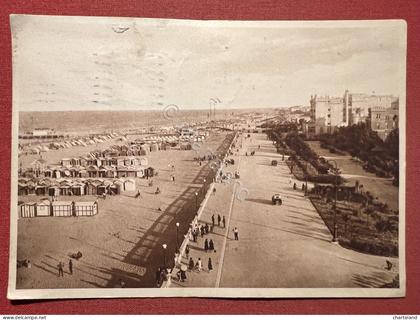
[329, 113]
[383, 120]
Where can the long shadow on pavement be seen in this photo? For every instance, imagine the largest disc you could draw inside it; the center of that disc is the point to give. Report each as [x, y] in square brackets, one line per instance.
[148, 252]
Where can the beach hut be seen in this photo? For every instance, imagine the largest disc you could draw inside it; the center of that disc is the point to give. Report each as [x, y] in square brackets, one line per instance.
[65, 188]
[106, 172]
[48, 173]
[66, 172]
[53, 190]
[31, 187]
[103, 188]
[92, 187]
[27, 210]
[78, 188]
[92, 171]
[22, 189]
[65, 162]
[129, 185]
[62, 208]
[121, 171]
[84, 161]
[117, 186]
[56, 173]
[43, 209]
[85, 208]
[75, 162]
[154, 147]
[41, 189]
[83, 173]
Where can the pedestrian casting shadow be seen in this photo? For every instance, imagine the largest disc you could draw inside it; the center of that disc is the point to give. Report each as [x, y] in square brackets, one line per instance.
[263, 201]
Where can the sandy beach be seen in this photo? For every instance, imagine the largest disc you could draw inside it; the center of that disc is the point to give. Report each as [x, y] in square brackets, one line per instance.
[124, 241]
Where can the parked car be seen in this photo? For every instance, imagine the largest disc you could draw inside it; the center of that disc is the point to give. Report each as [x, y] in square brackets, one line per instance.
[276, 199]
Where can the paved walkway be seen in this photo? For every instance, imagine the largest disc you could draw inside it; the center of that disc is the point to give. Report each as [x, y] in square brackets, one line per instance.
[285, 246]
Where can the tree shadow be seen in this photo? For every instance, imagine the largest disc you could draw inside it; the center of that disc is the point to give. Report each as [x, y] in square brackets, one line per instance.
[148, 252]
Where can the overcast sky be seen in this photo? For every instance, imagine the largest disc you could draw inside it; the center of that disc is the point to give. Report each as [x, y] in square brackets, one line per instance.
[75, 63]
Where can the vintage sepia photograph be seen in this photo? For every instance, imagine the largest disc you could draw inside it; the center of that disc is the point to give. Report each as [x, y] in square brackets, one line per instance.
[161, 157]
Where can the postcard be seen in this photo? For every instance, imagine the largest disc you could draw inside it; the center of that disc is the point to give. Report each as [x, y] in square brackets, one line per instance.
[184, 158]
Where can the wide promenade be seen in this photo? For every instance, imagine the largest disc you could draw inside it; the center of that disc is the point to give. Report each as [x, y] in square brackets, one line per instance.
[285, 246]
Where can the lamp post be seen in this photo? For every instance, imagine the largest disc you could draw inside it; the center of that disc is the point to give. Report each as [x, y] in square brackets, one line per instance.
[196, 202]
[335, 236]
[306, 178]
[164, 246]
[177, 242]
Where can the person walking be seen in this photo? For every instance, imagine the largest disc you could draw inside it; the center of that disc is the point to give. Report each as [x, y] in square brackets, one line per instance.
[202, 231]
[199, 265]
[294, 186]
[236, 233]
[70, 266]
[60, 269]
[175, 259]
[219, 218]
[211, 245]
[224, 222]
[187, 251]
[210, 265]
[183, 275]
[206, 245]
[191, 264]
[212, 220]
[206, 228]
[157, 276]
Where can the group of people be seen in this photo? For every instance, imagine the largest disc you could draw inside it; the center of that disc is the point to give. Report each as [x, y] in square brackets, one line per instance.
[161, 276]
[199, 229]
[198, 265]
[209, 245]
[219, 219]
[60, 268]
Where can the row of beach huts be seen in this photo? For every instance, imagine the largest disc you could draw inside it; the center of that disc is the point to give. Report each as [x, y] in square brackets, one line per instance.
[91, 167]
[82, 141]
[47, 208]
[75, 187]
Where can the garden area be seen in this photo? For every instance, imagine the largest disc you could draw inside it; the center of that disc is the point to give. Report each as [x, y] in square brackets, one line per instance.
[378, 156]
[363, 224]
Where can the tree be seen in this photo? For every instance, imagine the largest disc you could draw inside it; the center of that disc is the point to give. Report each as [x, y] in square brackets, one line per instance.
[392, 143]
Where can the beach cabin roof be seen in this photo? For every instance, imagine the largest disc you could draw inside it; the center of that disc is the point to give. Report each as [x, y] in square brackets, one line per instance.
[84, 203]
[61, 203]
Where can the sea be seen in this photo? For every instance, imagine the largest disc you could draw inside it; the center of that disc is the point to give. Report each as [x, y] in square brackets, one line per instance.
[76, 122]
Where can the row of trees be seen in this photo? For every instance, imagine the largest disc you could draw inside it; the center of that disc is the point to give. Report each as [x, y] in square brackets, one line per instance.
[298, 145]
[380, 157]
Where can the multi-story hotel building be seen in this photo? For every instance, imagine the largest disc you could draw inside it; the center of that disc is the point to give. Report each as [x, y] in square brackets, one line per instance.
[329, 113]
